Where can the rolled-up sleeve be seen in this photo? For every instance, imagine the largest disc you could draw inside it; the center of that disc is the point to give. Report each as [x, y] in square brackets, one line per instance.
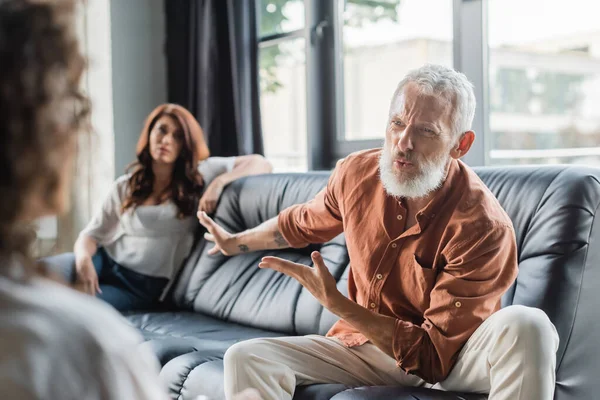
[466, 292]
[318, 220]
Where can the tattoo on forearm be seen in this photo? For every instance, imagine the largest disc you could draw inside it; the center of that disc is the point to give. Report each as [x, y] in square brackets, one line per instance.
[243, 248]
[280, 240]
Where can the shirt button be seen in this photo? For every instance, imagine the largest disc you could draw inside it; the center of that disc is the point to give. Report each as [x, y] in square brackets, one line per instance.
[373, 305]
[458, 304]
[394, 245]
[379, 276]
[399, 217]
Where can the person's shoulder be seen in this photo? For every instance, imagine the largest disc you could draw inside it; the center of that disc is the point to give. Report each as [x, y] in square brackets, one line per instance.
[122, 181]
[369, 156]
[365, 159]
[217, 160]
[359, 165]
[478, 224]
[62, 343]
[66, 313]
[478, 204]
[120, 186]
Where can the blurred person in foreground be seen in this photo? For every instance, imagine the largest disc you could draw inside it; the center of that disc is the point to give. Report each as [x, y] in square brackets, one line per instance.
[55, 343]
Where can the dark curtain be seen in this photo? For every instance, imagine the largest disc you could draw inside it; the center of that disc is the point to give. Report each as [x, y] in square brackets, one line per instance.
[212, 70]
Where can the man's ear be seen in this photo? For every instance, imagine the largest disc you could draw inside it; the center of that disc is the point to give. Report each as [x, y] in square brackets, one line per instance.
[464, 145]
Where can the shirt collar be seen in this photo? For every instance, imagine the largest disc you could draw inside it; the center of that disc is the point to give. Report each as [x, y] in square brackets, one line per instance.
[427, 213]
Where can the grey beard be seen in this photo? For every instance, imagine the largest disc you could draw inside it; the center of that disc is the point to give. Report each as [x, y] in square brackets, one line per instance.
[430, 177]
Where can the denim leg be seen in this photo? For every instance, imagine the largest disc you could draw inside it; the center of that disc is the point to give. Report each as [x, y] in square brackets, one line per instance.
[102, 263]
[122, 288]
[113, 291]
[122, 299]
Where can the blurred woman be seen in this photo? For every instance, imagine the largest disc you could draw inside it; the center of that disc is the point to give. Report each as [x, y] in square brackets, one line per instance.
[132, 248]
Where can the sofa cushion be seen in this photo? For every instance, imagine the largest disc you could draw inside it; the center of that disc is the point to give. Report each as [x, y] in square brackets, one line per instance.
[193, 373]
[552, 209]
[199, 372]
[234, 288]
[171, 334]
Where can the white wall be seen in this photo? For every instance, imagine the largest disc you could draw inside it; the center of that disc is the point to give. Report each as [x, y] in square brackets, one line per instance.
[96, 160]
[138, 70]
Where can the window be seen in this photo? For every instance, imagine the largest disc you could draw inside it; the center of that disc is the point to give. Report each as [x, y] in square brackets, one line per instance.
[378, 41]
[544, 82]
[280, 16]
[535, 65]
[283, 104]
[382, 41]
[282, 74]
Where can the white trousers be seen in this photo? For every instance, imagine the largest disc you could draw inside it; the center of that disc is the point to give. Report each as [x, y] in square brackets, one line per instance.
[511, 356]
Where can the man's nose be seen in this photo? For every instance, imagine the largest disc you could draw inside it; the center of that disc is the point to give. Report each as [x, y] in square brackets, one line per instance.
[405, 142]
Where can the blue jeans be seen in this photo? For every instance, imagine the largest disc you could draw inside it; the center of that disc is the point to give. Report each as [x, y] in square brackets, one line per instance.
[124, 289]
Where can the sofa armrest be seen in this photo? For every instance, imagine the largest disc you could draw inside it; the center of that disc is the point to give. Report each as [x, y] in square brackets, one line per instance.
[62, 265]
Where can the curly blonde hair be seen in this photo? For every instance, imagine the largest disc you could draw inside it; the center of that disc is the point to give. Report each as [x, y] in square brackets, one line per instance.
[41, 107]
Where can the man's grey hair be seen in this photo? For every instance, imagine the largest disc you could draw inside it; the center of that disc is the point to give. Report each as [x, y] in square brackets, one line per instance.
[435, 79]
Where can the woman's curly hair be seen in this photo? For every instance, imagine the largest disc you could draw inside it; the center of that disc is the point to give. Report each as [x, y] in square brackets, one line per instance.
[187, 184]
[41, 108]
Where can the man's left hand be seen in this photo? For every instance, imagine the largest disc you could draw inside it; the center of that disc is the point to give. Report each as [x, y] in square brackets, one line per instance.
[317, 280]
[379, 329]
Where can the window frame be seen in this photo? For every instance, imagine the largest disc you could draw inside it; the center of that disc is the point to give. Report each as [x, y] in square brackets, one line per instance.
[264, 41]
[325, 77]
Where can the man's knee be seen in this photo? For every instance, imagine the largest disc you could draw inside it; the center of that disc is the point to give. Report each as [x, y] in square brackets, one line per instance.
[528, 326]
[241, 352]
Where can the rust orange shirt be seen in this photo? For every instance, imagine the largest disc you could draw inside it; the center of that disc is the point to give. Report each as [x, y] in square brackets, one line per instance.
[440, 278]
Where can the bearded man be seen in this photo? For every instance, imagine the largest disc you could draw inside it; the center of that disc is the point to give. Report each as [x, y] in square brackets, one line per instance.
[431, 252]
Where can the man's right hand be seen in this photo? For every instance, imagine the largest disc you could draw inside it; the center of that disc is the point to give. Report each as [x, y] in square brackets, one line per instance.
[225, 242]
[87, 278]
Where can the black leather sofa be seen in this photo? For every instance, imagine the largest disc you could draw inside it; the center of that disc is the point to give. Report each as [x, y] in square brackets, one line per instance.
[218, 301]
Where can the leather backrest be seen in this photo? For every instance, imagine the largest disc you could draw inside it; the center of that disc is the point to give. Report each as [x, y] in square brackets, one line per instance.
[553, 210]
[235, 289]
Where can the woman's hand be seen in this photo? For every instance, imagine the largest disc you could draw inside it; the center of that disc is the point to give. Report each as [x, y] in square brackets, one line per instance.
[87, 278]
[208, 202]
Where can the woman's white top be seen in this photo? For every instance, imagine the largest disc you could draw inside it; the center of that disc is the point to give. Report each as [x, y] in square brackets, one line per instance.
[56, 343]
[150, 240]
